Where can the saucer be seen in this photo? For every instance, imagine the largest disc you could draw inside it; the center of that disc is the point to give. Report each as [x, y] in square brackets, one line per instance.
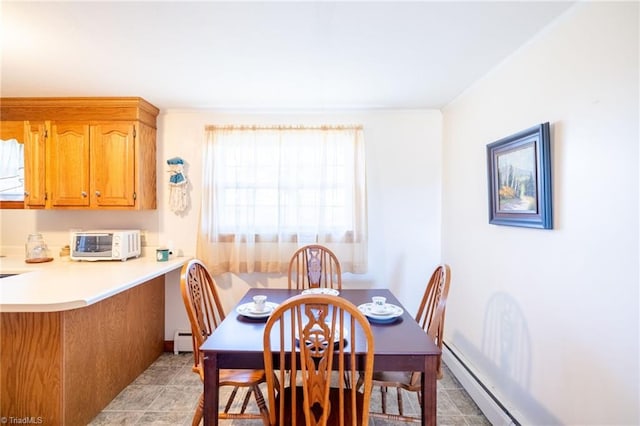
[322, 290]
[390, 313]
[248, 310]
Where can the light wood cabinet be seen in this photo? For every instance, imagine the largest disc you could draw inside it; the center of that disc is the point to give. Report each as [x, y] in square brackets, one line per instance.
[69, 165]
[33, 135]
[66, 366]
[35, 178]
[87, 153]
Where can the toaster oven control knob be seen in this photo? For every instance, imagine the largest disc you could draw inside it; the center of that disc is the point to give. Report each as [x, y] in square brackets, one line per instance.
[116, 246]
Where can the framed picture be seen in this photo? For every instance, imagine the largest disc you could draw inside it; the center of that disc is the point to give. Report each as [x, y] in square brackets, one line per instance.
[519, 172]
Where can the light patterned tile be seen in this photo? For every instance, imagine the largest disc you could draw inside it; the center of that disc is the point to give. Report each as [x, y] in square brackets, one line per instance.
[479, 420]
[168, 359]
[448, 381]
[167, 392]
[113, 418]
[171, 418]
[156, 375]
[446, 406]
[176, 398]
[451, 421]
[186, 377]
[463, 401]
[135, 397]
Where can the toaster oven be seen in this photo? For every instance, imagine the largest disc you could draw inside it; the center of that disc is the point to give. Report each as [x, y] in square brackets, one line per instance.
[105, 245]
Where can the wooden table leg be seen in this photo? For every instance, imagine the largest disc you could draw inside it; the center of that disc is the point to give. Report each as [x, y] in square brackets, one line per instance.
[429, 391]
[211, 385]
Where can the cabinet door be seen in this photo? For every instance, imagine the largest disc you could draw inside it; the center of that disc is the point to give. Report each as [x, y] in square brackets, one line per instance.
[35, 160]
[69, 165]
[113, 165]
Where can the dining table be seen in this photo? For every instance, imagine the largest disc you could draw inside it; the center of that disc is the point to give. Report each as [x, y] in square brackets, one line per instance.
[400, 345]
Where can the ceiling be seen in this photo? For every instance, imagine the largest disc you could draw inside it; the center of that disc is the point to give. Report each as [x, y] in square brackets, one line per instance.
[262, 55]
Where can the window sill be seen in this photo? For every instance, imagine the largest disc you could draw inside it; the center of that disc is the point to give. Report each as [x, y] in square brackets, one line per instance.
[11, 204]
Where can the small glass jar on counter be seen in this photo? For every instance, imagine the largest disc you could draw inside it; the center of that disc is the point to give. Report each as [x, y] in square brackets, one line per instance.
[35, 248]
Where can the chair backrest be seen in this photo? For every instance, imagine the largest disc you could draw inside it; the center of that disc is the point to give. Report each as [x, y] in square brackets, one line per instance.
[326, 331]
[314, 266]
[432, 308]
[202, 303]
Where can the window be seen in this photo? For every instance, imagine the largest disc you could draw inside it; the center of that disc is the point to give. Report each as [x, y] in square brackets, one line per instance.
[11, 170]
[269, 190]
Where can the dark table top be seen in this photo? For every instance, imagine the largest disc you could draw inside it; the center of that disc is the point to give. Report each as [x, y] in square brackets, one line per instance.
[401, 345]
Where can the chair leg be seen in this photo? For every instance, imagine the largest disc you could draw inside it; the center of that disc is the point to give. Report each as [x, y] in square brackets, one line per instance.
[383, 394]
[246, 400]
[232, 397]
[197, 416]
[262, 405]
[360, 381]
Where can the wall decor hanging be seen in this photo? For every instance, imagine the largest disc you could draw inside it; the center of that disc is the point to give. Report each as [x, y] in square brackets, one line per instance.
[178, 196]
[519, 174]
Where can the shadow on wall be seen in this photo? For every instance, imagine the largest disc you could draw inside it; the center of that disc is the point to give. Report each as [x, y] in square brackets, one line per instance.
[506, 341]
[505, 357]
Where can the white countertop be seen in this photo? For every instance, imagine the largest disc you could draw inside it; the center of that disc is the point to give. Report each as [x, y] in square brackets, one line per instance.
[62, 285]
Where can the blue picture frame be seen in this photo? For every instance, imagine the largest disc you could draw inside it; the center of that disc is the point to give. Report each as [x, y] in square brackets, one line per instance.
[519, 178]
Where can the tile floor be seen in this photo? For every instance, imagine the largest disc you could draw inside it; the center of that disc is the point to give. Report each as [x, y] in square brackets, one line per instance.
[167, 392]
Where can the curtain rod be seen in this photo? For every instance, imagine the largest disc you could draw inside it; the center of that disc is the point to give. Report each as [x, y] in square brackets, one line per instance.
[280, 127]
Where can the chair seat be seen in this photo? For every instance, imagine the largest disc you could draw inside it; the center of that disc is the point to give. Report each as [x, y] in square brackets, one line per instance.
[334, 415]
[241, 377]
[399, 379]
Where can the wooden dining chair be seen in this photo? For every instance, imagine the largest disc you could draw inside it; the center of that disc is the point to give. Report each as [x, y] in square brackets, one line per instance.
[314, 266]
[430, 316]
[205, 313]
[315, 338]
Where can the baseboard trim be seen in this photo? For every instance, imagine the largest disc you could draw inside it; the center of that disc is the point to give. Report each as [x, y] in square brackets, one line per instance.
[490, 405]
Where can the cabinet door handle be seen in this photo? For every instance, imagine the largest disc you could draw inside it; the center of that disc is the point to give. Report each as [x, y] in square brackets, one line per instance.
[98, 193]
[26, 194]
[84, 194]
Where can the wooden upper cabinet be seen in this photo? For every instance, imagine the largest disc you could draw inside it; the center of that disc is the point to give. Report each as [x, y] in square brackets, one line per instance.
[87, 153]
[35, 164]
[113, 164]
[69, 165]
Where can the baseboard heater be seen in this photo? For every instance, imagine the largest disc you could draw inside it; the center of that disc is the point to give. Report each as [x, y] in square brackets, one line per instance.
[182, 342]
[493, 409]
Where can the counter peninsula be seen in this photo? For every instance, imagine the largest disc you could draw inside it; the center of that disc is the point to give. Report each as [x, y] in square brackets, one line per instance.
[74, 334]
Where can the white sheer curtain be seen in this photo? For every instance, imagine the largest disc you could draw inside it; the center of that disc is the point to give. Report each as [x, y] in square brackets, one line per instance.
[268, 190]
[11, 170]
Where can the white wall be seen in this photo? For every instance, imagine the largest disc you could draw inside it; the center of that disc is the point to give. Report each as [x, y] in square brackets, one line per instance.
[549, 318]
[403, 153]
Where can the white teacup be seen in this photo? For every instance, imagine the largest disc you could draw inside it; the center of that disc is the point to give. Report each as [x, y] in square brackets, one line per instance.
[379, 304]
[259, 303]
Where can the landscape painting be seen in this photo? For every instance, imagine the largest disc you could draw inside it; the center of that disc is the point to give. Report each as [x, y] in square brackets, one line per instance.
[519, 179]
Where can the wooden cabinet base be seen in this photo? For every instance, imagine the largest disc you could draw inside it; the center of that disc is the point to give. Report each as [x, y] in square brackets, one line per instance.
[65, 367]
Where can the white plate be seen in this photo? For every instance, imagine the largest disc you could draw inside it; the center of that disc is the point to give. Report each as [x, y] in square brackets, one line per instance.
[323, 290]
[248, 310]
[391, 311]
